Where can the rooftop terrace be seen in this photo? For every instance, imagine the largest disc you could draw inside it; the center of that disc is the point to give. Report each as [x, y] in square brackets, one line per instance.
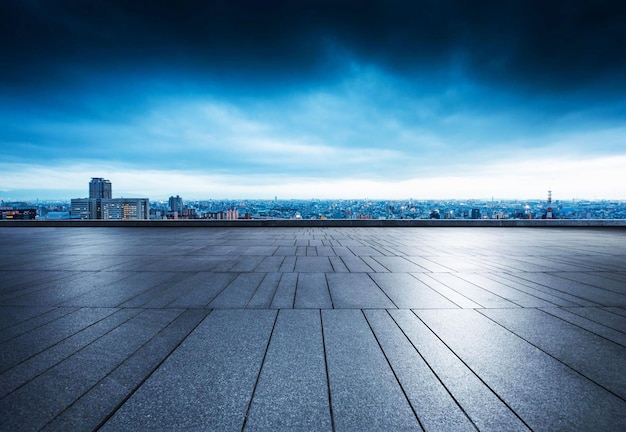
[312, 328]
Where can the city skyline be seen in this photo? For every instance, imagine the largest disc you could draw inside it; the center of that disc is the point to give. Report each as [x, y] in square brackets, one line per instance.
[382, 100]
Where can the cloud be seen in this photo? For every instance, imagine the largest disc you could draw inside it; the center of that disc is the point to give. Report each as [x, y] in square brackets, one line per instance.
[310, 93]
[546, 46]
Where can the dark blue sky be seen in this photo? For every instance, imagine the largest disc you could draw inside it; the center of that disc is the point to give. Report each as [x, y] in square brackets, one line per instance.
[378, 99]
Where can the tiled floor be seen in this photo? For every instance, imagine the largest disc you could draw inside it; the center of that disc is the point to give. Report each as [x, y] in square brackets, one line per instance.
[313, 329]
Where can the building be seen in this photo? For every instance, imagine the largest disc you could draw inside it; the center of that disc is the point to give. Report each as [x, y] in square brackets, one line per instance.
[176, 204]
[100, 188]
[11, 213]
[100, 204]
[85, 208]
[125, 208]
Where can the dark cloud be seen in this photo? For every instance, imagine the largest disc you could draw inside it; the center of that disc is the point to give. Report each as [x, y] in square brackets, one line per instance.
[546, 45]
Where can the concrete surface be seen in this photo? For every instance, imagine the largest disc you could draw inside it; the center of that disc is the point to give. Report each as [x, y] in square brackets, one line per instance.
[312, 328]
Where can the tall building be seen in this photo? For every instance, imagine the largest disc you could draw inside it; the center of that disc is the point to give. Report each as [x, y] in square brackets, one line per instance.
[100, 188]
[176, 204]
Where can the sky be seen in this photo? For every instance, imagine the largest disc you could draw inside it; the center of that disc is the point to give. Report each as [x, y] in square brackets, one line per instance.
[313, 99]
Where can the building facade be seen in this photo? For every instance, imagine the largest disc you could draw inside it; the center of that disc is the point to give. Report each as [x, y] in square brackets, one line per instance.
[85, 208]
[125, 208]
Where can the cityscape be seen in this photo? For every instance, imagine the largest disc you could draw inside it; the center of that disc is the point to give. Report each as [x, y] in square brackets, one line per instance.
[100, 205]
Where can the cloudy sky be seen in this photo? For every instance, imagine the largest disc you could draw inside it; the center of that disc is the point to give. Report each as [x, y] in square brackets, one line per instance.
[313, 99]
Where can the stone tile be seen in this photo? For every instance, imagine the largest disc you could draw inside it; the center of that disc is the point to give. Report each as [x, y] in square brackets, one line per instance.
[422, 387]
[455, 297]
[239, 292]
[263, 296]
[483, 297]
[486, 410]
[356, 291]
[519, 372]
[25, 319]
[600, 360]
[24, 346]
[285, 292]
[355, 264]
[38, 402]
[207, 383]
[408, 292]
[584, 294]
[313, 264]
[609, 333]
[292, 392]
[100, 401]
[312, 291]
[208, 286]
[365, 394]
[39, 363]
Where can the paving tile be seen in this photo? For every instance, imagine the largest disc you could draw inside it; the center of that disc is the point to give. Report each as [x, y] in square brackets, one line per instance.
[553, 297]
[597, 280]
[600, 360]
[39, 363]
[588, 293]
[88, 412]
[312, 291]
[455, 297]
[292, 392]
[604, 316]
[121, 291]
[483, 297]
[26, 345]
[398, 264]
[270, 264]
[208, 286]
[313, 264]
[511, 294]
[365, 394]
[355, 264]
[609, 333]
[338, 265]
[486, 410]
[35, 404]
[263, 296]
[408, 292]
[422, 387]
[519, 372]
[357, 291]
[285, 292]
[239, 292]
[207, 383]
[29, 320]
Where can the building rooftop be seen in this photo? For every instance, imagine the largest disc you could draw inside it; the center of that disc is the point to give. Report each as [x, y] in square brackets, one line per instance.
[312, 328]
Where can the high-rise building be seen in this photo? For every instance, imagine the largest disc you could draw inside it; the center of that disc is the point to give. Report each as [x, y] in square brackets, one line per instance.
[100, 188]
[176, 204]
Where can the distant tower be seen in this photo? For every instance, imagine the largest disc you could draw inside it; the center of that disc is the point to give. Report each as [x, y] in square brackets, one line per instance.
[100, 188]
[549, 214]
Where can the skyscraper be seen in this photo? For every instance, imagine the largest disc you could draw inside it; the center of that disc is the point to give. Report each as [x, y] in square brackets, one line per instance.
[176, 204]
[100, 188]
